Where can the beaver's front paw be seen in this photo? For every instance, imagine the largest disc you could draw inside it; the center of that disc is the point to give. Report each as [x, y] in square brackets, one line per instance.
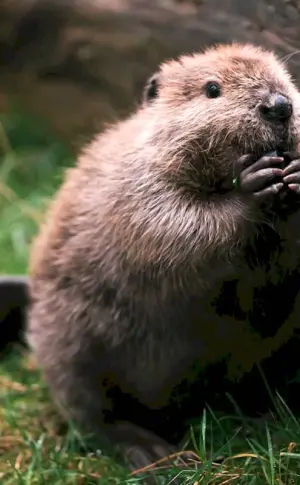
[291, 174]
[259, 179]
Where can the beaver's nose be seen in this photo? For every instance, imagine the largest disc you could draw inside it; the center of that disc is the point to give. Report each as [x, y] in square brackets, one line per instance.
[277, 108]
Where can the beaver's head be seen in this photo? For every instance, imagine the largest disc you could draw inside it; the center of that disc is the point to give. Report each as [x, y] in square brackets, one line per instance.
[207, 109]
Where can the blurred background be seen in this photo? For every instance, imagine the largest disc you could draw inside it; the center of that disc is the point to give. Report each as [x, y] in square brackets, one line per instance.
[70, 67]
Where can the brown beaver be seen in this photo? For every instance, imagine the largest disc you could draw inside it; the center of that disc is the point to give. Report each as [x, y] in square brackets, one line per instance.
[162, 211]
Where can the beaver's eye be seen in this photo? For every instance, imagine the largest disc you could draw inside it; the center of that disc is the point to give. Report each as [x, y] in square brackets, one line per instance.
[212, 90]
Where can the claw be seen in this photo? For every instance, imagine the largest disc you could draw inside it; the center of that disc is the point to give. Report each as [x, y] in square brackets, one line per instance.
[295, 188]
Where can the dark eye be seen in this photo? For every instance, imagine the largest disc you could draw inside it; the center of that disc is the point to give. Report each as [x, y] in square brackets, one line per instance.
[212, 90]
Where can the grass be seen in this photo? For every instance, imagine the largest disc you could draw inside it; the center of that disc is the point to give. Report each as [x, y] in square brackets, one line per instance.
[34, 446]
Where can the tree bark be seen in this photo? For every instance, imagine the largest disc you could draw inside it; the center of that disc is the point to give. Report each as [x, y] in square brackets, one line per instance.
[78, 65]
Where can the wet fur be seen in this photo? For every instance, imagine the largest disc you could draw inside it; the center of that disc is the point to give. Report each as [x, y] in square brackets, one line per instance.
[128, 273]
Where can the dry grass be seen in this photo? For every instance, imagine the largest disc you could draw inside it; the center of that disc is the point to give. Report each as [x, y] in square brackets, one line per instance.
[36, 448]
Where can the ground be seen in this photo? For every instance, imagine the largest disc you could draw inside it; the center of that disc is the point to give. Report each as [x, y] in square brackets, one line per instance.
[35, 447]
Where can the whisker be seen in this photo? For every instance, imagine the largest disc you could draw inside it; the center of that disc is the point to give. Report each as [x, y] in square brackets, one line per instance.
[289, 56]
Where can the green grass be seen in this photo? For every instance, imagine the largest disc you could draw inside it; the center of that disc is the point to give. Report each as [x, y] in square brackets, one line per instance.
[31, 168]
[35, 448]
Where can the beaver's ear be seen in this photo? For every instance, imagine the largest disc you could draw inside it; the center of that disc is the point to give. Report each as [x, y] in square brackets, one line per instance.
[151, 88]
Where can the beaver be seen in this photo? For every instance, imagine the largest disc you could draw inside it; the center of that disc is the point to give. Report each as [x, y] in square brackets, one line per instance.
[144, 270]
